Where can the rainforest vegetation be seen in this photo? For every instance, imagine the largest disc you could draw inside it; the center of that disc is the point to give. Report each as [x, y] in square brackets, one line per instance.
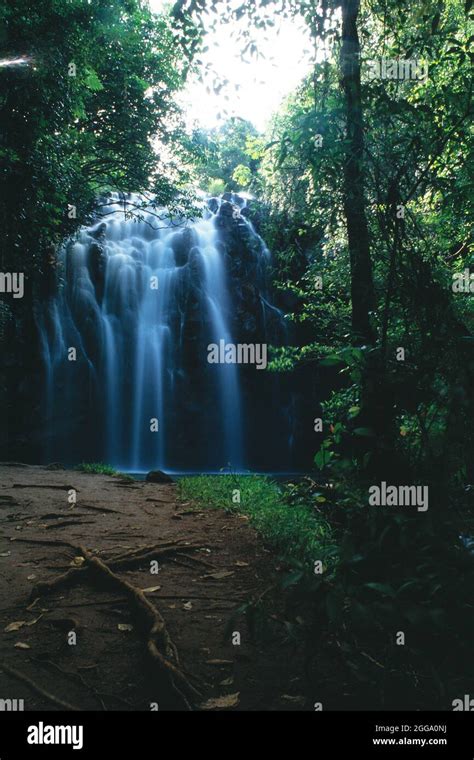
[361, 188]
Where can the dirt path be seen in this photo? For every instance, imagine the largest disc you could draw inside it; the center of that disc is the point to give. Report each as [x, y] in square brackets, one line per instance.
[196, 590]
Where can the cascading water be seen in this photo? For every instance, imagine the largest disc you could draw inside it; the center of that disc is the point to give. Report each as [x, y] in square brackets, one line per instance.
[125, 343]
[218, 303]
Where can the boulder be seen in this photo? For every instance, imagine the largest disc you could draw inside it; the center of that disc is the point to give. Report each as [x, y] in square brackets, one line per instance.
[97, 261]
[157, 476]
[182, 245]
[99, 233]
[238, 200]
[226, 217]
[213, 205]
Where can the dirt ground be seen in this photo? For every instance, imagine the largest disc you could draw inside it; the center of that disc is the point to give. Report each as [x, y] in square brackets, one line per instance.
[196, 590]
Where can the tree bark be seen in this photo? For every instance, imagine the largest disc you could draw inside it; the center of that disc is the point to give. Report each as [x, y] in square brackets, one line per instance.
[362, 288]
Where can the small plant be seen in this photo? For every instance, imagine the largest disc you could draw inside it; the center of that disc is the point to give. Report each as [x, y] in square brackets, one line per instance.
[99, 468]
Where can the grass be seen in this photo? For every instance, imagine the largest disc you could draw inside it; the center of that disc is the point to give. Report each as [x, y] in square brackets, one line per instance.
[296, 531]
[99, 468]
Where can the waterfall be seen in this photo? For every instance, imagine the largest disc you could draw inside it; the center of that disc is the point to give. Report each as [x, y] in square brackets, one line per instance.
[217, 298]
[125, 341]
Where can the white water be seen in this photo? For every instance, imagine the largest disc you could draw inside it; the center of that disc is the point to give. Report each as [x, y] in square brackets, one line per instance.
[142, 351]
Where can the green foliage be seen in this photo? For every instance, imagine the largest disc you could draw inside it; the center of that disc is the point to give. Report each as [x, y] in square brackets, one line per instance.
[216, 187]
[96, 468]
[81, 121]
[242, 176]
[291, 525]
[66, 139]
[417, 138]
[407, 575]
[227, 155]
[342, 405]
[399, 421]
[99, 468]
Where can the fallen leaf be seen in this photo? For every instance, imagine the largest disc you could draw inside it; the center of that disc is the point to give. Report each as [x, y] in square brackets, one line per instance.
[294, 700]
[227, 682]
[22, 645]
[219, 575]
[33, 622]
[125, 627]
[239, 563]
[31, 577]
[15, 626]
[5, 554]
[219, 662]
[221, 703]
[151, 589]
[188, 606]
[77, 562]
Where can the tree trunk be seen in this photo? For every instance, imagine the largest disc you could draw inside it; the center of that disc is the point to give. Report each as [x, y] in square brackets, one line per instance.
[362, 288]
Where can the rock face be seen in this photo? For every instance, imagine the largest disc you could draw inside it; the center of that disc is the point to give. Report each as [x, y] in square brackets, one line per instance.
[142, 350]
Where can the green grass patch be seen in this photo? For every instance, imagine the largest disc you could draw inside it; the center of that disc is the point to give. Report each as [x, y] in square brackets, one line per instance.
[99, 468]
[296, 531]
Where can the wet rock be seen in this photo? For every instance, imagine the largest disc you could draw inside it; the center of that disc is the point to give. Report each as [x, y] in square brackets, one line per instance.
[97, 263]
[195, 268]
[99, 233]
[213, 278]
[157, 476]
[238, 200]
[226, 217]
[182, 245]
[226, 209]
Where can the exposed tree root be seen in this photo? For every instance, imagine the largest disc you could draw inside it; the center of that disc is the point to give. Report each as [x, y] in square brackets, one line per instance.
[41, 541]
[76, 677]
[66, 580]
[100, 509]
[139, 559]
[159, 644]
[126, 561]
[198, 560]
[160, 647]
[67, 523]
[144, 549]
[60, 515]
[44, 485]
[38, 689]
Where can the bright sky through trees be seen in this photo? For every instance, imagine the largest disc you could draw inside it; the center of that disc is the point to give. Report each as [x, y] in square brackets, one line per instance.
[256, 85]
